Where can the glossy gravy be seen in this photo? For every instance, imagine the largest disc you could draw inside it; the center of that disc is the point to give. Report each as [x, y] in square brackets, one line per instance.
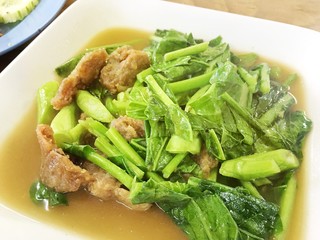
[86, 215]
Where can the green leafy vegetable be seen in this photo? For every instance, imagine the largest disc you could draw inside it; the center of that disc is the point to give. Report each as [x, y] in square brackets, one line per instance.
[175, 115]
[251, 214]
[40, 193]
[222, 142]
[210, 210]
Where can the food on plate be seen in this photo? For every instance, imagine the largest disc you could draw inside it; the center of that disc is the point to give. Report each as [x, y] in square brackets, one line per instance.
[16, 10]
[208, 135]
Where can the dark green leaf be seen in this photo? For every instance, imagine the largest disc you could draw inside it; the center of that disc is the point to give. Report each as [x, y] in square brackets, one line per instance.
[40, 193]
[251, 214]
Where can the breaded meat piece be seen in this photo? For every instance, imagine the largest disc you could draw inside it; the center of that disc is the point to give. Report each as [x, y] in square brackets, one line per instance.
[86, 71]
[107, 187]
[206, 162]
[57, 170]
[128, 127]
[103, 185]
[122, 67]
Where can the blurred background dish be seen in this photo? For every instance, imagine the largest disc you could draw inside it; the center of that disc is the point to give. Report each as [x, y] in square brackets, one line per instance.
[15, 34]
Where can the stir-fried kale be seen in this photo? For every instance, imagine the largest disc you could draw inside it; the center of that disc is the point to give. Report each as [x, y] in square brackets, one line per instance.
[198, 100]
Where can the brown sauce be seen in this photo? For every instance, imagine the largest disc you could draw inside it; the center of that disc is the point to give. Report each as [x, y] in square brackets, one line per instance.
[86, 215]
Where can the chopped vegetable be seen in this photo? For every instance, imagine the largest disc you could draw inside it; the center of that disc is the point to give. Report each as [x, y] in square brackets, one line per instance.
[93, 107]
[44, 108]
[200, 205]
[39, 193]
[287, 203]
[259, 165]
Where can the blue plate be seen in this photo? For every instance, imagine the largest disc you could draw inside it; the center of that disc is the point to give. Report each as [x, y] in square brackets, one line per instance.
[18, 33]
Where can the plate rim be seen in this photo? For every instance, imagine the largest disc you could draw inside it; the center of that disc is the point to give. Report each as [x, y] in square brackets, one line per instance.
[279, 26]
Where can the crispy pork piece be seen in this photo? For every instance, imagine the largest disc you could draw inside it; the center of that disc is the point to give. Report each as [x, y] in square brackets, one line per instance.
[128, 127]
[206, 162]
[86, 71]
[57, 170]
[103, 185]
[122, 67]
[107, 187]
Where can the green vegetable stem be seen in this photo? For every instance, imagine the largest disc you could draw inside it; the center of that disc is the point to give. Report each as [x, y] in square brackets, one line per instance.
[116, 138]
[121, 153]
[93, 107]
[64, 123]
[87, 152]
[173, 164]
[259, 165]
[44, 108]
[194, 49]
[191, 83]
[287, 203]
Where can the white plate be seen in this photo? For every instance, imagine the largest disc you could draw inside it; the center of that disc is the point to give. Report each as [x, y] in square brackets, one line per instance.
[18, 33]
[296, 47]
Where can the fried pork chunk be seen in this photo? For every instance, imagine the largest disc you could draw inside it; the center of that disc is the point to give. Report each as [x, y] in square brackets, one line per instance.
[86, 71]
[107, 187]
[122, 67]
[206, 162]
[128, 127]
[103, 185]
[57, 170]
